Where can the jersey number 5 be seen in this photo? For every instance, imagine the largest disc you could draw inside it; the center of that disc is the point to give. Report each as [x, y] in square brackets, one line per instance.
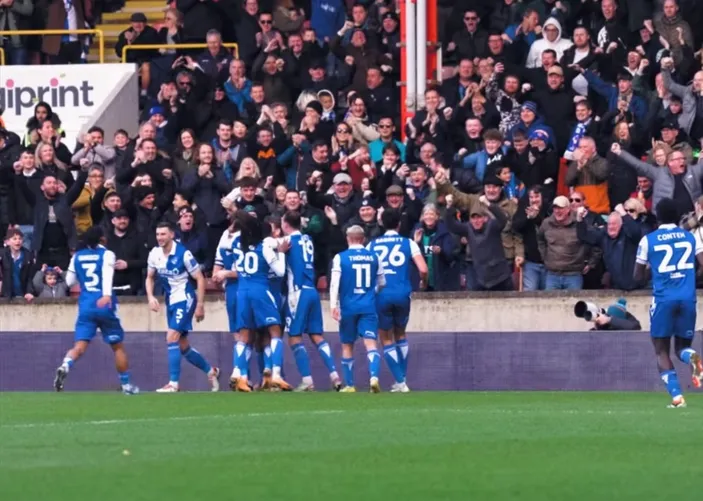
[665, 266]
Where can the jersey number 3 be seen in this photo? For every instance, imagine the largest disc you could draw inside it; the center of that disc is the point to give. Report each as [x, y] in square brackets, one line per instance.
[665, 266]
[91, 278]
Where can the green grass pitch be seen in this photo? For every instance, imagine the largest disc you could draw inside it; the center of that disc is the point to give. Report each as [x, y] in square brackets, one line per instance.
[326, 446]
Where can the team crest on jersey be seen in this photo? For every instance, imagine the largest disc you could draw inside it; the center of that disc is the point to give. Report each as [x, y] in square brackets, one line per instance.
[174, 260]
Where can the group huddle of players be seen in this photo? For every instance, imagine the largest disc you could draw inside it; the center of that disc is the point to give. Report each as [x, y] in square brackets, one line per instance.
[267, 271]
[370, 290]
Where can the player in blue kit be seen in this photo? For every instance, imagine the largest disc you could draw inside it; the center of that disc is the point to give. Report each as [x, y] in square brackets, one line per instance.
[256, 306]
[671, 254]
[304, 305]
[225, 272]
[357, 276]
[397, 254]
[93, 268]
[177, 268]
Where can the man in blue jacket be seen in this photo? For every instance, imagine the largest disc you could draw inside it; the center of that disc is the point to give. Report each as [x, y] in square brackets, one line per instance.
[327, 18]
[621, 97]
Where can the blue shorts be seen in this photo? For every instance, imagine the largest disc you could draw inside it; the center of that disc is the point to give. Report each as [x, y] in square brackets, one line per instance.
[673, 318]
[393, 311]
[179, 316]
[231, 307]
[364, 325]
[89, 321]
[256, 308]
[305, 312]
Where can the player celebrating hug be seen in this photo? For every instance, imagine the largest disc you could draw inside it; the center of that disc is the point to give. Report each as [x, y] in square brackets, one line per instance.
[177, 268]
[357, 275]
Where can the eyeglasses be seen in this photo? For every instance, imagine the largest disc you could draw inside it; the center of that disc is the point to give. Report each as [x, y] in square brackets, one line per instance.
[384, 126]
[575, 200]
[631, 211]
[265, 21]
[343, 131]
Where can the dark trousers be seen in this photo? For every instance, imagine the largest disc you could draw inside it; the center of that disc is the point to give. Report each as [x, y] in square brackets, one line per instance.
[69, 53]
[54, 256]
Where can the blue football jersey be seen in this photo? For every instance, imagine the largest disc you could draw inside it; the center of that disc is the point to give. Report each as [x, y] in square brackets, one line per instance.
[359, 269]
[396, 255]
[671, 253]
[300, 262]
[94, 270]
[255, 265]
[226, 256]
[175, 271]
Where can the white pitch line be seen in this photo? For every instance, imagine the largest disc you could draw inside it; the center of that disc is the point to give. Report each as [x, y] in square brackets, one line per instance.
[105, 422]
[512, 412]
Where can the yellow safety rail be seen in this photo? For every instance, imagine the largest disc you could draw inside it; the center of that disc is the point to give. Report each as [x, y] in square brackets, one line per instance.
[2, 56]
[98, 33]
[179, 46]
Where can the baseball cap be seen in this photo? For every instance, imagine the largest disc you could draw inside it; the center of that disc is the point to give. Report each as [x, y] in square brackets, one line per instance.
[394, 190]
[342, 178]
[561, 201]
[555, 70]
[137, 17]
[670, 124]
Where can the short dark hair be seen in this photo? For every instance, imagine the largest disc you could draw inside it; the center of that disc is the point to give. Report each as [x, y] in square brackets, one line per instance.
[492, 134]
[667, 211]
[13, 232]
[165, 224]
[95, 128]
[390, 219]
[248, 182]
[184, 195]
[225, 121]
[292, 219]
[550, 51]
[390, 147]
[92, 236]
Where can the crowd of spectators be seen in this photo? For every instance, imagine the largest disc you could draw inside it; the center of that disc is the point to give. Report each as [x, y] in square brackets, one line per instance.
[507, 178]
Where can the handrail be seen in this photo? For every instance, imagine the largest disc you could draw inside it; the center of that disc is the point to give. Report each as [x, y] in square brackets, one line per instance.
[178, 46]
[2, 56]
[99, 33]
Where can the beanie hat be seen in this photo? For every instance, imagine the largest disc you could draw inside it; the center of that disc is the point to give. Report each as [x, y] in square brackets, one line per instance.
[618, 309]
[314, 105]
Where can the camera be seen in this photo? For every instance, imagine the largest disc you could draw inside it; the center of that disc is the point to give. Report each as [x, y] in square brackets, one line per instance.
[587, 311]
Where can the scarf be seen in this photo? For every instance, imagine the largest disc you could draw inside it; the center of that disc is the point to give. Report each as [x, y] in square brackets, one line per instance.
[576, 136]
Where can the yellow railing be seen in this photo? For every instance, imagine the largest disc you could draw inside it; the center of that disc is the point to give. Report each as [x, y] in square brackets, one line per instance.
[2, 56]
[98, 33]
[180, 46]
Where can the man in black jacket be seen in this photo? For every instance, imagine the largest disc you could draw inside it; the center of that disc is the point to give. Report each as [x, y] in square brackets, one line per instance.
[54, 229]
[131, 251]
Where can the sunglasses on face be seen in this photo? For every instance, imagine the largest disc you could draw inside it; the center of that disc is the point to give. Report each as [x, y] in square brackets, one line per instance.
[265, 21]
[575, 200]
[384, 126]
[342, 131]
[470, 18]
[631, 211]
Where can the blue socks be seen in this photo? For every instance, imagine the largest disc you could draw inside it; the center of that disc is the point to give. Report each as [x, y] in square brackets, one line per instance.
[124, 378]
[403, 349]
[686, 354]
[194, 357]
[671, 381]
[348, 371]
[268, 361]
[302, 361]
[390, 353]
[240, 357]
[326, 353]
[174, 362]
[374, 363]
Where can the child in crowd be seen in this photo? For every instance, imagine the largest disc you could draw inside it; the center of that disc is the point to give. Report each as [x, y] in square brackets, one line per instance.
[49, 282]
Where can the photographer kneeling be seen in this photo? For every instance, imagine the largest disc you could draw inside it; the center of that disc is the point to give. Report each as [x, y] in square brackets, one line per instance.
[615, 318]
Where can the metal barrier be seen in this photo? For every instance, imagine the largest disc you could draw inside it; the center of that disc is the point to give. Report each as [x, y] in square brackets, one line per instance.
[98, 33]
[126, 48]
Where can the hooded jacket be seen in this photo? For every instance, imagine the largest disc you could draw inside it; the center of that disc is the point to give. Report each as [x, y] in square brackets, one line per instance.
[559, 45]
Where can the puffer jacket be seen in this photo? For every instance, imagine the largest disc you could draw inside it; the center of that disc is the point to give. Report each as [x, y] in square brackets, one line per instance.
[561, 248]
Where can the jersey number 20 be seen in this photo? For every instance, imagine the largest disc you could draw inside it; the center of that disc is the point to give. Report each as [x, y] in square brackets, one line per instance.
[665, 266]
